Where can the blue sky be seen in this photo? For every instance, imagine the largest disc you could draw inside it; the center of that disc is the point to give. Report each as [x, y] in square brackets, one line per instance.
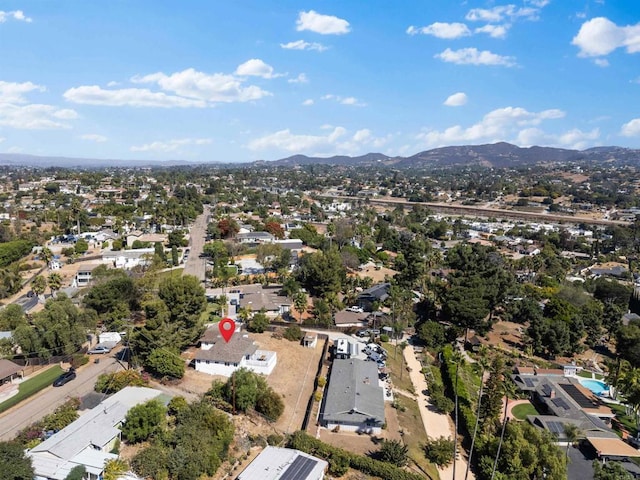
[261, 79]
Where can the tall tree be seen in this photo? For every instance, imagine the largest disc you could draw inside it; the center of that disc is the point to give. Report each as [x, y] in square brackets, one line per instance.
[14, 464]
[185, 298]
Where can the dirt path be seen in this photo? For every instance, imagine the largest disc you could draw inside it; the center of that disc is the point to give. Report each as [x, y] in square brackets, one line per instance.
[435, 424]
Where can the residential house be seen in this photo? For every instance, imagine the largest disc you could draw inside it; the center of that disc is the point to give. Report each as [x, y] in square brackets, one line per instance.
[219, 357]
[345, 348]
[88, 440]
[376, 294]
[354, 400]
[128, 259]
[84, 275]
[257, 298]
[344, 319]
[276, 463]
[254, 238]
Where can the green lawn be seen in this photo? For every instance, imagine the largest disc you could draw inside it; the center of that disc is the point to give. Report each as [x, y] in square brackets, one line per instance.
[414, 436]
[521, 411]
[628, 422]
[32, 386]
[399, 375]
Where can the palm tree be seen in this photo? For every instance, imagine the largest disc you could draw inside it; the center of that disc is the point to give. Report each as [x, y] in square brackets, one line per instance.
[484, 364]
[457, 359]
[46, 255]
[616, 370]
[39, 285]
[509, 390]
[55, 282]
[244, 314]
[300, 304]
[630, 388]
[573, 433]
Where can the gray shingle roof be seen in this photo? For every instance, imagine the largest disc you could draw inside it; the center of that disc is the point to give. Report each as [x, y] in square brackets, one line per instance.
[353, 394]
[232, 351]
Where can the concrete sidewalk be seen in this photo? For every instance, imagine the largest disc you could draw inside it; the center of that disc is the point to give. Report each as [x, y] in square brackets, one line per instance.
[435, 424]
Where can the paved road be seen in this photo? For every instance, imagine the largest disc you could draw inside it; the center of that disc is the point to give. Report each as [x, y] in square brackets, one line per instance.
[46, 401]
[195, 265]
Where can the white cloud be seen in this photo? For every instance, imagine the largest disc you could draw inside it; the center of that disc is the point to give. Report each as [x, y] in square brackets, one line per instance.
[574, 138]
[600, 36]
[352, 101]
[14, 15]
[256, 68]
[302, 45]
[114, 84]
[442, 30]
[171, 145]
[302, 78]
[94, 137]
[497, 125]
[473, 56]
[631, 128]
[200, 86]
[501, 12]
[494, 31]
[308, 102]
[601, 62]
[323, 24]
[11, 92]
[15, 150]
[34, 116]
[335, 141]
[133, 97]
[456, 100]
[2, 139]
[186, 89]
[17, 112]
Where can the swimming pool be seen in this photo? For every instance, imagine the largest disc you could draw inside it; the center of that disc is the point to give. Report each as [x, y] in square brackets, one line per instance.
[596, 386]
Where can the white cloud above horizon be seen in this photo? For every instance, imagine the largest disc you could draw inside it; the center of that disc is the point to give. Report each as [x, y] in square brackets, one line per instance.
[500, 124]
[600, 36]
[256, 68]
[302, 45]
[456, 100]
[94, 137]
[322, 24]
[441, 30]
[170, 145]
[16, 111]
[14, 15]
[473, 56]
[501, 13]
[631, 128]
[186, 89]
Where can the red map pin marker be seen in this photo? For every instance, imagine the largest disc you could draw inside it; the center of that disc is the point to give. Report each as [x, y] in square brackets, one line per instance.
[227, 327]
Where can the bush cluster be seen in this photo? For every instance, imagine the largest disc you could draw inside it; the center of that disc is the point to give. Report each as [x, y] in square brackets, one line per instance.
[340, 460]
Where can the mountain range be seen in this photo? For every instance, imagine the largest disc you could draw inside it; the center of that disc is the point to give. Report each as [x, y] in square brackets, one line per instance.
[490, 155]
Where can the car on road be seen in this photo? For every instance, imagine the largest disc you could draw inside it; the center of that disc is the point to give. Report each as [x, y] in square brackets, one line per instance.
[362, 333]
[100, 349]
[65, 377]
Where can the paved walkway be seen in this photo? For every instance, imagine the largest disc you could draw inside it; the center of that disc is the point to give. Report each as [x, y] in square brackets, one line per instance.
[435, 424]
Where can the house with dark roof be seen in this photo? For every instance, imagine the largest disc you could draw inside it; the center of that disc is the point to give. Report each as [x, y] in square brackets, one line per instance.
[376, 294]
[276, 463]
[354, 400]
[219, 357]
[257, 297]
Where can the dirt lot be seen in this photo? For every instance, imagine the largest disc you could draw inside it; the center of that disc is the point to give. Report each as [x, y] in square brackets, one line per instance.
[377, 275]
[293, 377]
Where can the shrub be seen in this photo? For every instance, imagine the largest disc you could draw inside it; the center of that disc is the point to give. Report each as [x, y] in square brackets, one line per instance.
[76, 473]
[384, 338]
[151, 462]
[439, 451]
[293, 333]
[116, 381]
[165, 362]
[79, 359]
[274, 439]
[322, 381]
[143, 420]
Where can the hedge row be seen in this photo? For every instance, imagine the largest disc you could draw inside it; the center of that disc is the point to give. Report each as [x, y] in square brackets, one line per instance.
[13, 251]
[467, 417]
[334, 455]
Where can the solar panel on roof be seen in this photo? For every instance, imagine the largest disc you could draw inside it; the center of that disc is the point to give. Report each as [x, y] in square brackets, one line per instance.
[299, 469]
[556, 428]
[577, 395]
[546, 389]
[560, 403]
[529, 382]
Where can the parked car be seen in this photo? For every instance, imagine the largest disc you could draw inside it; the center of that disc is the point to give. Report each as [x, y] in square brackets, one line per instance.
[355, 309]
[362, 333]
[375, 331]
[65, 377]
[100, 349]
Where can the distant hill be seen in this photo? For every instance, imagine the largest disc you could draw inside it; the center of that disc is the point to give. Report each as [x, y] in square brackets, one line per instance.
[500, 154]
